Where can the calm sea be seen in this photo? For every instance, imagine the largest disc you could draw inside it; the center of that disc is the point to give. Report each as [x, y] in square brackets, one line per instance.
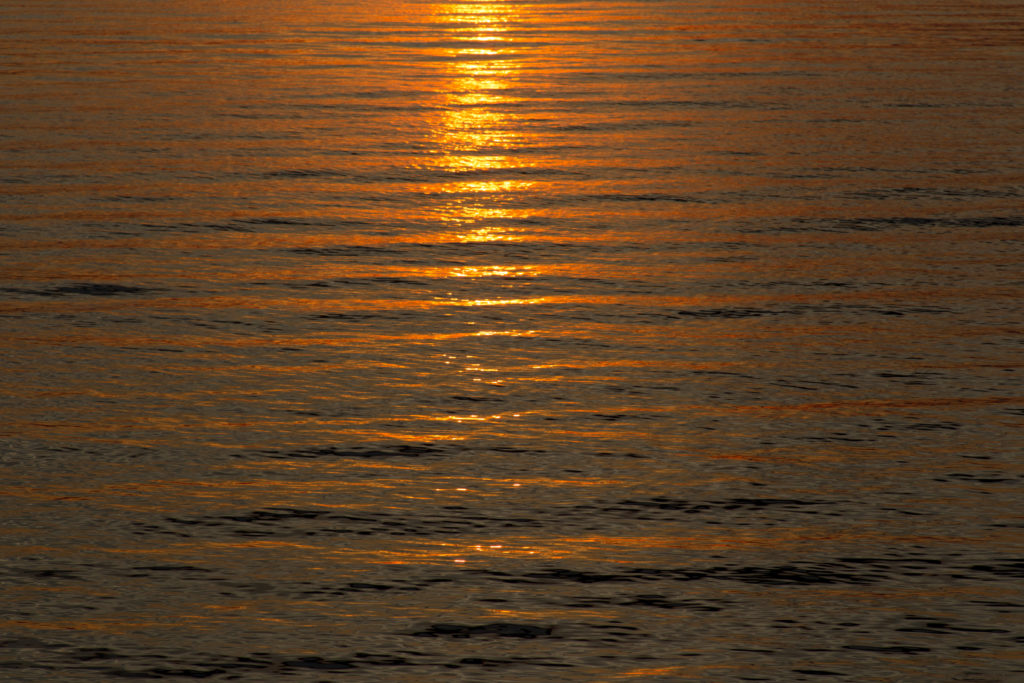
[512, 340]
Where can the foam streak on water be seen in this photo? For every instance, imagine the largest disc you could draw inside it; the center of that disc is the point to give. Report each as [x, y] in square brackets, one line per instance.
[518, 340]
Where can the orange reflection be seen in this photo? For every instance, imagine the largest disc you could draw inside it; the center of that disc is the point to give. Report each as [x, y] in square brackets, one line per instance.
[476, 130]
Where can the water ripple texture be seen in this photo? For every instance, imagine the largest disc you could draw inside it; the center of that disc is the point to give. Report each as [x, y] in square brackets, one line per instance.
[511, 341]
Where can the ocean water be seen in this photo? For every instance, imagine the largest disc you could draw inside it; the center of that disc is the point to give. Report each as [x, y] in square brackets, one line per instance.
[516, 340]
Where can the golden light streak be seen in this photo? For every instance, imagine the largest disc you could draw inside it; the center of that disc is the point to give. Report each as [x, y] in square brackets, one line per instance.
[475, 124]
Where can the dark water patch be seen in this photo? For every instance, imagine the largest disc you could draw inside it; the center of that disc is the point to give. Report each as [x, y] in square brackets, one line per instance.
[240, 225]
[204, 227]
[1004, 569]
[858, 310]
[674, 104]
[793, 575]
[874, 224]
[662, 503]
[246, 225]
[734, 511]
[391, 175]
[20, 575]
[171, 568]
[835, 437]
[329, 592]
[374, 283]
[838, 571]
[28, 642]
[892, 427]
[309, 173]
[889, 649]
[654, 600]
[306, 285]
[488, 663]
[137, 198]
[627, 124]
[733, 312]
[445, 520]
[981, 478]
[935, 627]
[62, 455]
[228, 667]
[378, 315]
[818, 672]
[728, 373]
[808, 384]
[763, 285]
[561, 575]
[162, 672]
[290, 522]
[1009, 607]
[939, 567]
[565, 575]
[499, 629]
[917, 378]
[359, 659]
[84, 289]
[91, 654]
[354, 250]
[152, 666]
[856, 632]
[396, 451]
[275, 220]
[319, 664]
[932, 193]
[29, 666]
[478, 399]
[647, 197]
[618, 417]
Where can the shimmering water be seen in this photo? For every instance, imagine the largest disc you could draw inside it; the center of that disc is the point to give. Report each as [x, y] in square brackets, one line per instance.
[511, 341]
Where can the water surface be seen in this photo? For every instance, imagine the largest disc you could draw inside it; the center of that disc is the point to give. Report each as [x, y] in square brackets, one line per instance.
[511, 341]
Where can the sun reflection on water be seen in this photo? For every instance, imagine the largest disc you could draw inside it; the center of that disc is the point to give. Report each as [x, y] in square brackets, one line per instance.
[475, 135]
